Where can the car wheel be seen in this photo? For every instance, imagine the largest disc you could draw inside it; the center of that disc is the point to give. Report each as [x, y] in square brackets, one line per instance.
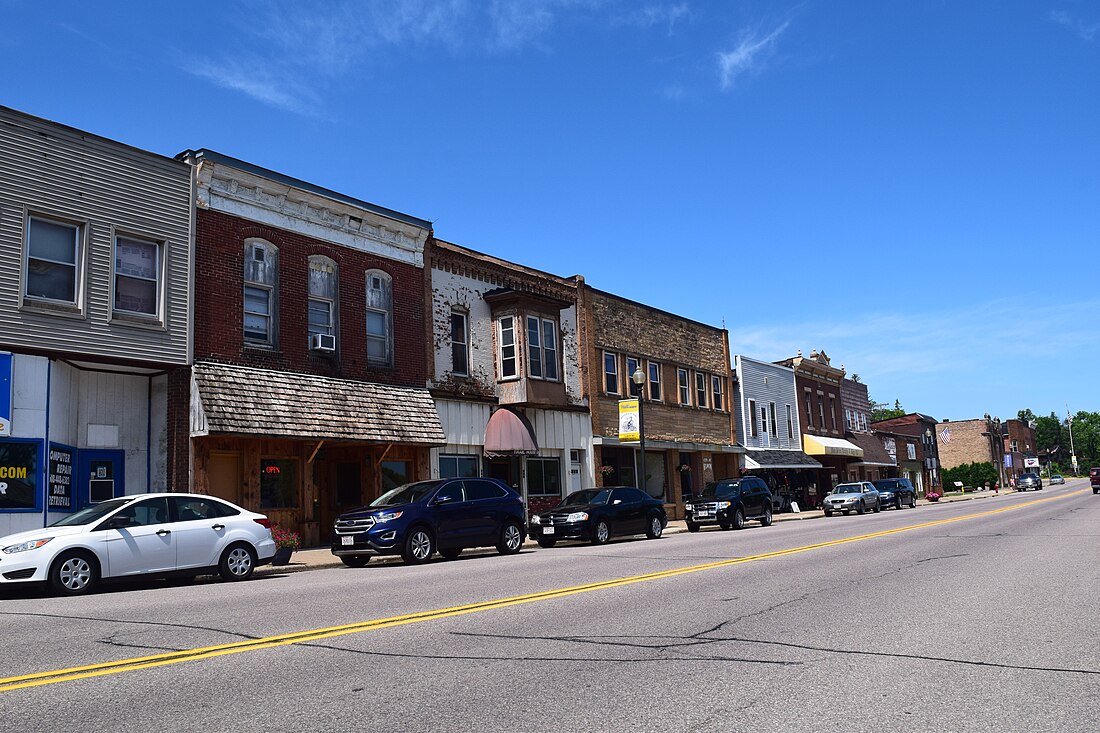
[601, 534]
[913, 501]
[419, 546]
[898, 504]
[724, 525]
[546, 542]
[355, 561]
[451, 553]
[828, 514]
[692, 527]
[655, 528]
[738, 518]
[878, 507]
[238, 562]
[766, 520]
[511, 539]
[74, 573]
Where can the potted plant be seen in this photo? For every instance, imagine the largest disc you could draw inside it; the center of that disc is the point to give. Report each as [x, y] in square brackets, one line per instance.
[685, 468]
[286, 542]
[932, 496]
[606, 471]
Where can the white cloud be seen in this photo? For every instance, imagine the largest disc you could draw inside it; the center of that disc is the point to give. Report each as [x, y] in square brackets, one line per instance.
[258, 83]
[664, 14]
[747, 55]
[1078, 26]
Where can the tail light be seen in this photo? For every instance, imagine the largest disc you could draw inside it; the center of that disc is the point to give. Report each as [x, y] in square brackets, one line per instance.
[263, 521]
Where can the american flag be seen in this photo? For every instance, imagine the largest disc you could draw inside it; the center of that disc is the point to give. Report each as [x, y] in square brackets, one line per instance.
[945, 435]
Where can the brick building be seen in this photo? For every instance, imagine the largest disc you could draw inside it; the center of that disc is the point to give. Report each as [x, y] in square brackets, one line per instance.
[505, 375]
[818, 386]
[307, 395]
[877, 462]
[685, 396]
[923, 429]
[971, 441]
[1019, 445]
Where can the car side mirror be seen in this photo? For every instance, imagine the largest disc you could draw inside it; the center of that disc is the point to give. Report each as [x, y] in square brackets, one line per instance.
[616, 501]
[444, 499]
[117, 523]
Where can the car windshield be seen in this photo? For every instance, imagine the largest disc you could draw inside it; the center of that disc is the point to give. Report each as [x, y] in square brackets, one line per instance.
[90, 515]
[848, 489]
[885, 485]
[588, 496]
[405, 494]
[720, 490]
[1057, 475]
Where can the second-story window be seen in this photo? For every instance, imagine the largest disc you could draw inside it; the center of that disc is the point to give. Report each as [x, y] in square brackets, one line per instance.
[611, 372]
[379, 318]
[716, 389]
[632, 365]
[832, 409]
[775, 428]
[684, 387]
[654, 381]
[790, 424]
[700, 389]
[542, 348]
[52, 261]
[460, 347]
[754, 429]
[137, 276]
[507, 347]
[261, 275]
[809, 410]
[848, 419]
[764, 422]
[322, 296]
[821, 411]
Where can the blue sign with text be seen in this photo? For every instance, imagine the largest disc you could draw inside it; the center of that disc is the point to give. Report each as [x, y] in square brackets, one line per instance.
[5, 393]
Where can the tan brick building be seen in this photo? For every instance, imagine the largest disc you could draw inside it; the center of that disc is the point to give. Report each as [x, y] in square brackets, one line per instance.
[685, 394]
[970, 441]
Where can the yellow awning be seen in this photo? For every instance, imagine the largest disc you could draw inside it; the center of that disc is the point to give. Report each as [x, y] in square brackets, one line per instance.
[817, 445]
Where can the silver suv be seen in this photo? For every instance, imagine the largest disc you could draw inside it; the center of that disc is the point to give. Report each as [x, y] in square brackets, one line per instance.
[1029, 481]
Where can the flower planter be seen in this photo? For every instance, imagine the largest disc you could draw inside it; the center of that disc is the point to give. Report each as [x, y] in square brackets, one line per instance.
[933, 498]
[282, 556]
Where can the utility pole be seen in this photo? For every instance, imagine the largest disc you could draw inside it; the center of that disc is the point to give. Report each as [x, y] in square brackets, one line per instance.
[1072, 452]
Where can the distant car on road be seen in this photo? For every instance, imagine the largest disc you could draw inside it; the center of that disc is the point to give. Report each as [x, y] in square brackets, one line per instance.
[857, 496]
[1029, 481]
[1057, 479]
[140, 535]
[596, 515]
[415, 520]
[730, 503]
[896, 492]
[1094, 480]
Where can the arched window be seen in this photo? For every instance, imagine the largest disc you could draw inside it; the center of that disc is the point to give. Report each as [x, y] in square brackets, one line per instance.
[323, 289]
[379, 318]
[261, 296]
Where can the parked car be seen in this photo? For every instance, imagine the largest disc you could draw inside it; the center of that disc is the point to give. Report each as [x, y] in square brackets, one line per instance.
[896, 492]
[415, 520]
[597, 515]
[143, 534]
[1029, 481]
[1057, 479]
[857, 496]
[1094, 480]
[730, 503]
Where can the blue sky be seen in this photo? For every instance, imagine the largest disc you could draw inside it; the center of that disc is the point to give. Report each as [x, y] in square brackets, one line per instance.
[912, 187]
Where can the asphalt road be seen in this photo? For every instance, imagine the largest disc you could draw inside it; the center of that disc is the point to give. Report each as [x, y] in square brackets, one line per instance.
[975, 616]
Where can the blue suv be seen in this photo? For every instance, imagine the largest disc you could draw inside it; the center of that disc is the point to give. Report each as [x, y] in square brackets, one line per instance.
[448, 515]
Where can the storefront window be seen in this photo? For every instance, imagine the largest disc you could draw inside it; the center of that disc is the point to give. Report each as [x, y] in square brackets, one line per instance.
[458, 467]
[18, 475]
[543, 477]
[394, 474]
[278, 483]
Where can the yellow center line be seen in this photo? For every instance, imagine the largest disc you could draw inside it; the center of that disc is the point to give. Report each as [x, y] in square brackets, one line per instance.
[8, 684]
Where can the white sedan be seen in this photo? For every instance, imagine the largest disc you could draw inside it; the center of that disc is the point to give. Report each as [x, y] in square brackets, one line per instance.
[144, 534]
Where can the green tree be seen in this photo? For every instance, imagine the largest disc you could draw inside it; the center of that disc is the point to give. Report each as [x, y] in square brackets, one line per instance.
[883, 411]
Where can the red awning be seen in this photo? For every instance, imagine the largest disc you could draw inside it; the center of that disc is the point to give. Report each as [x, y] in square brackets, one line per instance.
[508, 433]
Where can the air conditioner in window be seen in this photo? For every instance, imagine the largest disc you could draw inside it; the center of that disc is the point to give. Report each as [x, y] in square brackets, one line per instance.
[322, 342]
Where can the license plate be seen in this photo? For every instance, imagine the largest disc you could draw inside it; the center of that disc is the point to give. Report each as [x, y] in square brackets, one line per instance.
[702, 515]
[548, 530]
[348, 540]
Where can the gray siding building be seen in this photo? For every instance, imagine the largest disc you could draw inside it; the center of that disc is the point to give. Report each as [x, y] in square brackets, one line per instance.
[95, 274]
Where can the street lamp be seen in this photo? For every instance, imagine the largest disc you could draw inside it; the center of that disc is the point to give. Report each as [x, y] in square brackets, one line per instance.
[639, 380]
[928, 456]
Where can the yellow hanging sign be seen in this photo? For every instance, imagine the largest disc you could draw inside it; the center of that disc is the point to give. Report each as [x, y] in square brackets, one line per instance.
[629, 425]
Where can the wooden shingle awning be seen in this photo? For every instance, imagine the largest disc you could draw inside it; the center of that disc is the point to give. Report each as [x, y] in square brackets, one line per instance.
[237, 400]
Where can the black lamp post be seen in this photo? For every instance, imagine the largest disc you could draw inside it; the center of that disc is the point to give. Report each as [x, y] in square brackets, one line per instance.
[639, 379]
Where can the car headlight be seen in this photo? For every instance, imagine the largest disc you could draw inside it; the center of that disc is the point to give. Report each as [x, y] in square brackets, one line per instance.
[386, 517]
[577, 517]
[535, 519]
[723, 505]
[28, 545]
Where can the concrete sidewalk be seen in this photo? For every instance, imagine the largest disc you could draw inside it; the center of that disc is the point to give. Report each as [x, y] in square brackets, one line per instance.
[316, 558]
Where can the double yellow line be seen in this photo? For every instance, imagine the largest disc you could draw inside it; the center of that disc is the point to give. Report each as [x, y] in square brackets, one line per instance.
[190, 655]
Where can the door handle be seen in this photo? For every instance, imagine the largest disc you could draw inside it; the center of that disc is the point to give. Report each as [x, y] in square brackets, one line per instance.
[163, 532]
[218, 527]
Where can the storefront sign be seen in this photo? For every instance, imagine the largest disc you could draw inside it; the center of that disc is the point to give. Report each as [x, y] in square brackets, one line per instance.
[18, 474]
[5, 393]
[629, 425]
[59, 478]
